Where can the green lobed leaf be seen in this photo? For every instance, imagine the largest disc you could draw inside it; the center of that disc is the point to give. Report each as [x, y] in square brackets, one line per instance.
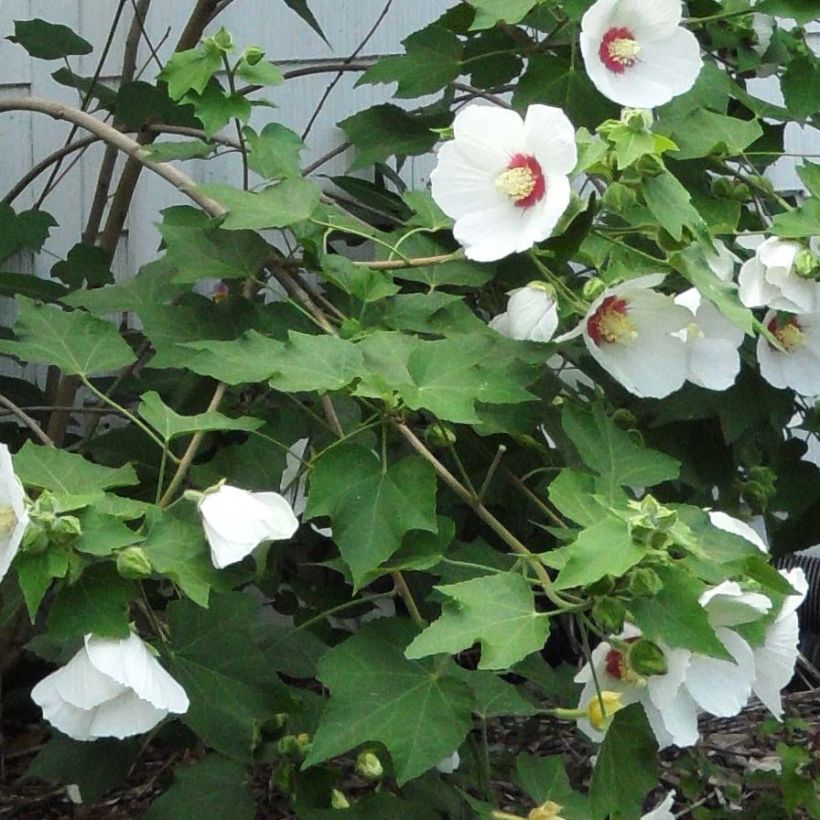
[627, 766]
[191, 70]
[490, 12]
[363, 283]
[804, 11]
[497, 611]
[36, 571]
[262, 73]
[605, 548]
[431, 61]
[215, 108]
[27, 230]
[175, 545]
[197, 249]
[249, 359]
[810, 174]
[320, 363]
[213, 788]
[14, 285]
[74, 341]
[62, 472]
[103, 533]
[386, 130]
[701, 132]
[170, 150]
[292, 200]
[99, 602]
[302, 8]
[613, 454]
[671, 204]
[415, 708]
[170, 424]
[801, 87]
[274, 152]
[799, 223]
[84, 264]
[215, 656]
[572, 492]
[48, 41]
[674, 615]
[371, 508]
[495, 697]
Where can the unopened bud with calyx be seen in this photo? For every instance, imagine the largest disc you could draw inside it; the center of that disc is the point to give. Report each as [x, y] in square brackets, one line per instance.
[807, 265]
[253, 55]
[639, 119]
[293, 745]
[644, 582]
[546, 811]
[593, 288]
[599, 711]
[439, 435]
[133, 564]
[369, 766]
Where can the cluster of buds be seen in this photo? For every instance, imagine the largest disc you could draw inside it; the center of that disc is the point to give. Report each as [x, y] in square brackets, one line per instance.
[652, 523]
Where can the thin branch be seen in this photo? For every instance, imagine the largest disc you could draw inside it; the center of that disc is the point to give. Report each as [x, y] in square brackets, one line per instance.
[418, 262]
[27, 420]
[333, 83]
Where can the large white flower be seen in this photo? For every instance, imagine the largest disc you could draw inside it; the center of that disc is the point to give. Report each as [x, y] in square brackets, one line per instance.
[769, 279]
[636, 52]
[775, 659]
[503, 179]
[110, 688]
[797, 366]
[237, 521]
[531, 315]
[712, 343]
[630, 331]
[13, 513]
[737, 527]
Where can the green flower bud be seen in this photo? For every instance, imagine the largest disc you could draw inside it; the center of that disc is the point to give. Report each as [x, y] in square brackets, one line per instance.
[440, 435]
[646, 658]
[644, 582]
[609, 614]
[742, 193]
[369, 766]
[133, 563]
[806, 265]
[639, 119]
[593, 288]
[338, 800]
[350, 328]
[723, 187]
[253, 55]
[65, 530]
[625, 419]
[222, 40]
[293, 745]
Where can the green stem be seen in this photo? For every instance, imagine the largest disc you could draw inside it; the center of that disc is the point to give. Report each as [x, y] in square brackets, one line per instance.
[130, 416]
[725, 15]
[342, 607]
[579, 304]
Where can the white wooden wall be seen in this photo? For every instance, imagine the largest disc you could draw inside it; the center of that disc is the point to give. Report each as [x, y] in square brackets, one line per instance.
[26, 138]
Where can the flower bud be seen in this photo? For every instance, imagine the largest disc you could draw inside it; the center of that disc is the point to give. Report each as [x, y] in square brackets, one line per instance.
[222, 40]
[639, 119]
[546, 811]
[609, 614]
[293, 745]
[338, 800]
[644, 583]
[593, 288]
[65, 530]
[625, 419]
[369, 766]
[806, 265]
[742, 192]
[646, 658]
[440, 435]
[601, 710]
[350, 328]
[253, 55]
[723, 187]
[133, 563]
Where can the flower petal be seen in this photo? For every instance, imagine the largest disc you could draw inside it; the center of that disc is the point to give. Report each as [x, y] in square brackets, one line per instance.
[550, 136]
[125, 716]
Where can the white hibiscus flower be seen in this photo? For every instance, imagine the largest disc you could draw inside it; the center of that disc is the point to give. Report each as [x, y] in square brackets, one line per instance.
[531, 314]
[797, 366]
[740, 528]
[449, 764]
[237, 521]
[769, 279]
[775, 659]
[722, 262]
[503, 179]
[712, 343]
[630, 331]
[110, 688]
[14, 516]
[636, 52]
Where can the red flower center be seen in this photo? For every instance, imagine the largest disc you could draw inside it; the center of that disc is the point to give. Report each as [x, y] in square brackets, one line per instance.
[619, 50]
[615, 664]
[788, 332]
[523, 181]
[611, 322]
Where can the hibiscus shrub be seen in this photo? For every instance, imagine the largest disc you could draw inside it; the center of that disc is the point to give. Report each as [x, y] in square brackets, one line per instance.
[351, 472]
